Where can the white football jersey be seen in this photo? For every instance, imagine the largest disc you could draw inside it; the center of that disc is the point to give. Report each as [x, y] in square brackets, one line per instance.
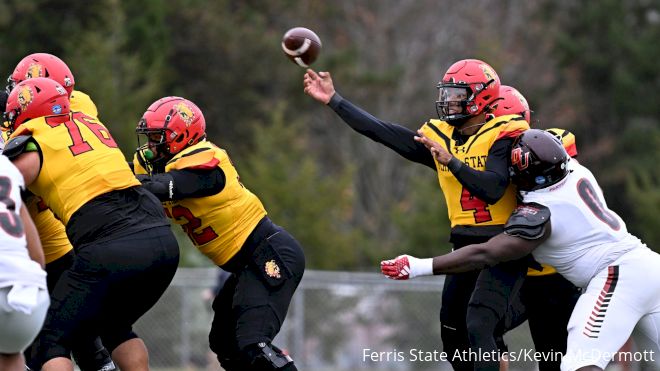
[586, 236]
[15, 263]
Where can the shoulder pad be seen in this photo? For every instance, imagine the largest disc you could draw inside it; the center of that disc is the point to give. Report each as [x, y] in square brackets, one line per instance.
[528, 221]
[17, 145]
[202, 157]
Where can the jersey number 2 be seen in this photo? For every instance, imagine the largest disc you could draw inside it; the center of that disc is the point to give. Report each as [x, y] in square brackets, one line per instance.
[200, 238]
[479, 207]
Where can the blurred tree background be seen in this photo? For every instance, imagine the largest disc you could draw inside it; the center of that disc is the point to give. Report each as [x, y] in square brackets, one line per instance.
[589, 67]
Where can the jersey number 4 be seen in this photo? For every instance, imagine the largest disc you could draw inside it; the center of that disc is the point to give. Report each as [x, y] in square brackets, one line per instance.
[479, 208]
[10, 222]
[80, 145]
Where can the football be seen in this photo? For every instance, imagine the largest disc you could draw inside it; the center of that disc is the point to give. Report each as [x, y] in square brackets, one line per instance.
[301, 45]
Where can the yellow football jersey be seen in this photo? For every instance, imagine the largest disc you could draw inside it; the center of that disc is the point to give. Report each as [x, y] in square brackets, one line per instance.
[81, 102]
[465, 209]
[53, 237]
[219, 224]
[80, 160]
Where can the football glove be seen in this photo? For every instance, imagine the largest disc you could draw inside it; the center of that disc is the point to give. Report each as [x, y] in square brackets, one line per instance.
[404, 267]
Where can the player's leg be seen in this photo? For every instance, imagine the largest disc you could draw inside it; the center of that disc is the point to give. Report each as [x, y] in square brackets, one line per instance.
[603, 318]
[19, 329]
[262, 299]
[453, 313]
[140, 268]
[492, 297]
[549, 300]
[222, 337]
[647, 339]
[75, 301]
[90, 355]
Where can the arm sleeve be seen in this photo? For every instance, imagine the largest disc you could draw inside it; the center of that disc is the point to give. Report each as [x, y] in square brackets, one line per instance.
[179, 184]
[396, 137]
[488, 185]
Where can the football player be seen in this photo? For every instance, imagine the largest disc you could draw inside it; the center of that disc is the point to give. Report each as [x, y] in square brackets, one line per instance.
[90, 356]
[473, 175]
[201, 190]
[548, 297]
[126, 254]
[23, 294]
[564, 221]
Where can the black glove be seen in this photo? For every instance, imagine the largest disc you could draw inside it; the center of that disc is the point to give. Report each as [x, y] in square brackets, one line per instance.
[142, 177]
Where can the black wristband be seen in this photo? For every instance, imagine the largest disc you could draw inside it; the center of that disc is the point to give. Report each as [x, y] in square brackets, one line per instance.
[454, 165]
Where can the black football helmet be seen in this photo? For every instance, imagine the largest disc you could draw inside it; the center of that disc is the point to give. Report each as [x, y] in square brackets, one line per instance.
[538, 160]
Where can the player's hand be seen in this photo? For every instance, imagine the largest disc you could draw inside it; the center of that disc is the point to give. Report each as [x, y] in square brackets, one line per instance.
[438, 151]
[404, 267]
[143, 178]
[319, 85]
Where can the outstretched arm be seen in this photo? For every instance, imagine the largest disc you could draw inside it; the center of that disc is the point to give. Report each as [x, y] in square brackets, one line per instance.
[528, 226]
[500, 248]
[396, 137]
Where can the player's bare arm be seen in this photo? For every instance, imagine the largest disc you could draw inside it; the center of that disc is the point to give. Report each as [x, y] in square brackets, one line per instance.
[33, 241]
[500, 248]
[29, 165]
[527, 227]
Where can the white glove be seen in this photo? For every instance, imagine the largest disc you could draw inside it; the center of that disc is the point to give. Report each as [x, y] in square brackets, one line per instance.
[404, 267]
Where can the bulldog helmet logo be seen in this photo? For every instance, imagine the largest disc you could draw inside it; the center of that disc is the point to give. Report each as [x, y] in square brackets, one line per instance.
[25, 97]
[272, 269]
[186, 113]
[35, 70]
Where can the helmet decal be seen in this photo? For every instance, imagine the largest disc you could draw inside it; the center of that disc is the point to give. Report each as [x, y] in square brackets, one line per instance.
[25, 97]
[522, 99]
[186, 113]
[518, 159]
[67, 81]
[34, 70]
[60, 90]
[488, 72]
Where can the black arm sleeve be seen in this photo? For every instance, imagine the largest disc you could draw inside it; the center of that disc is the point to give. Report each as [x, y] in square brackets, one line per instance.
[488, 185]
[179, 184]
[396, 137]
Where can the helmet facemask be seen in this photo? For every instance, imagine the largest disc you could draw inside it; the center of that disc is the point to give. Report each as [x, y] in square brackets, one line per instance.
[456, 101]
[8, 120]
[154, 153]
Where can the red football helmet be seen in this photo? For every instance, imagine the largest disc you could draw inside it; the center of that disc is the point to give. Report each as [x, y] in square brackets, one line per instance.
[469, 88]
[511, 102]
[170, 125]
[42, 65]
[34, 98]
